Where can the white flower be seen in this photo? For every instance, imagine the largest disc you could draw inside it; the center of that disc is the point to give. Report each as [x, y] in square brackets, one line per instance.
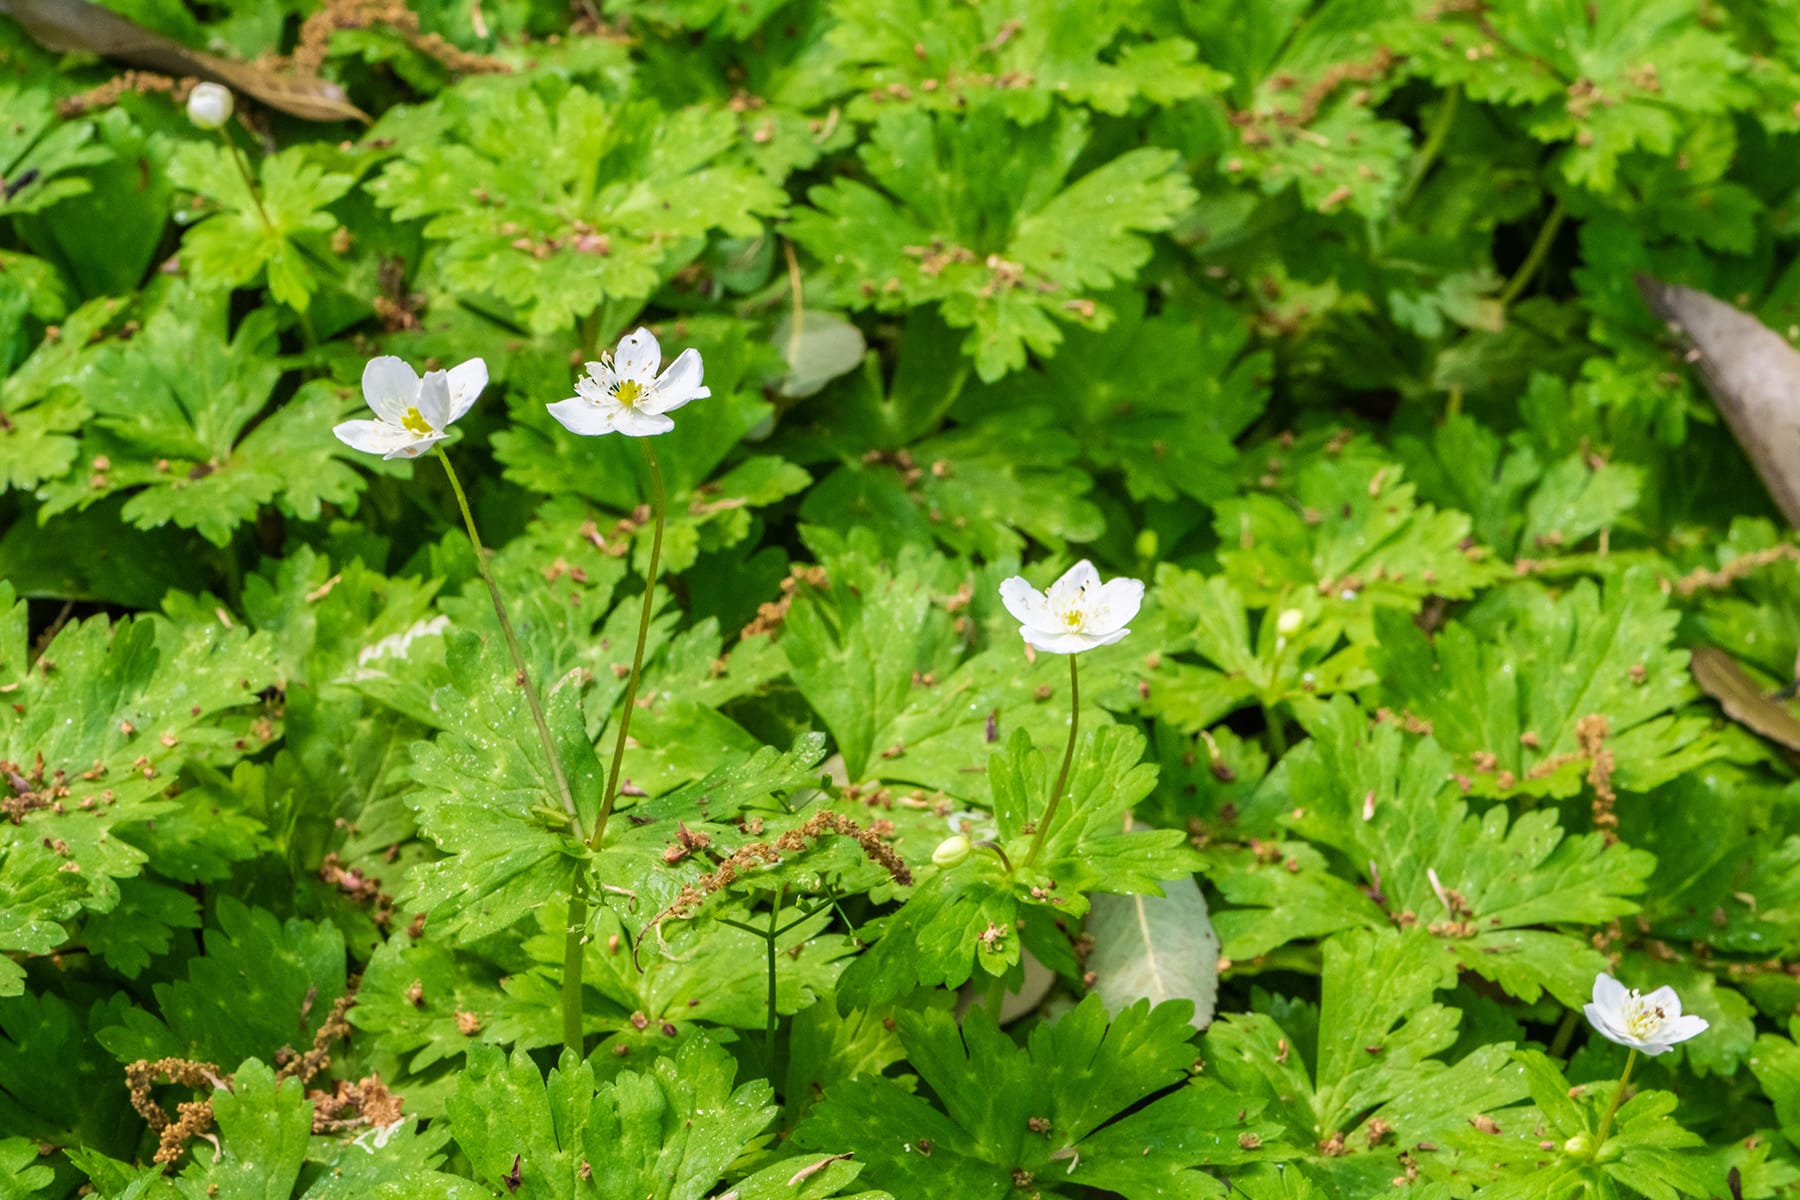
[1651, 1023]
[209, 105]
[622, 393]
[1289, 622]
[411, 413]
[1077, 613]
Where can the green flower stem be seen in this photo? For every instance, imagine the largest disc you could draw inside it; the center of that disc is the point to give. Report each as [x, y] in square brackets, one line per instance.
[577, 900]
[1434, 144]
[1277, 737]
[1534, 258]
[578, 905]
[243, 166]
[1062, 776]
[769, 1023]
[1618, 1098]
[637, 657]
[512, 640]
[997, 989]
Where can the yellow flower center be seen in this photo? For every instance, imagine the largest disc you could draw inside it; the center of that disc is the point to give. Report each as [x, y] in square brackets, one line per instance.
[415, 422]
[1072, 619]
[1642, 1020]
[629, 392]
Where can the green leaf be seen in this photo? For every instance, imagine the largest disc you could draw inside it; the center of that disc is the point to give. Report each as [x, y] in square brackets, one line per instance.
[1047, 1110]
[486, 798]
[262, 984]
[1513, 688]
[669, 1132]
[1500, 897]
[39, 152]
[277, 232]
[1638, 70]
[1303, 98]
[1159, 399]
[1519, 505]
[1362, 1068]
[95, 728]
[1004, 255]
[967, 917]
[263, 1131]
[1265, 667]
[175, 426]
[578, 201]
[918, 53]
[1342, 522]
[20, 1174]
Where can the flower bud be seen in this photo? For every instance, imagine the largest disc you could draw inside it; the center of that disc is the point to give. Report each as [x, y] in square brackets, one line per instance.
[951, 851]
[209, 105]
[1289, 622]
[1147, 544]
[1579, 1146]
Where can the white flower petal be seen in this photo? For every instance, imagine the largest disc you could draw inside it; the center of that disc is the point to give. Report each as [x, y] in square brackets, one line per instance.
[580, 416]
[1601, 1020]
[1684, 1027]
[1114, 605]
[638, 356]
[390, 387]
[467, 380]
[635, 422]
[375, 437]
[1026, 604]
[1078, 578]
[1104, 639]
[1609, 993]
[1056, 643]
[1665, 999]
[434, 400]
[677, 385]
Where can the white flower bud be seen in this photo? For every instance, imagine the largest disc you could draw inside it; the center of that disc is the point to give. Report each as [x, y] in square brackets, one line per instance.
[210, 105]
[1289, 622]
[951, 851]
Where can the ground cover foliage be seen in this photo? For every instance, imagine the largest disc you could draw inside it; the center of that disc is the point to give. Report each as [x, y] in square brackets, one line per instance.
[1318, 317]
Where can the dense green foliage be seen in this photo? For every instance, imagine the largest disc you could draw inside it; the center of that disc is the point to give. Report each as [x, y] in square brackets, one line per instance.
[1318, 317]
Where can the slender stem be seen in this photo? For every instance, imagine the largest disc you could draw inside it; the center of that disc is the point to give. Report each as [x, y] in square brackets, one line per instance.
[589, 333]
[1277, 738]
[1559, 1044]
[243, 166]
[996, 996]
[1062, 776]
[577, 924]
[637, 657]
[1534, 258]
[512, 640]
[1618, 1098]
[769, 1026]
[1434, 144]
[574, 947]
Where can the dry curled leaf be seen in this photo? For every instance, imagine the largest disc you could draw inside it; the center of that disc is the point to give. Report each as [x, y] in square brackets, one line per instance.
[80, 27]
[1720, 677]
[1753, 375]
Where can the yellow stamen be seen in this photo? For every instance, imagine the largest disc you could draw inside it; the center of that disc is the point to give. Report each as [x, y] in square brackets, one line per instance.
[629, 392]
[415, 422]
